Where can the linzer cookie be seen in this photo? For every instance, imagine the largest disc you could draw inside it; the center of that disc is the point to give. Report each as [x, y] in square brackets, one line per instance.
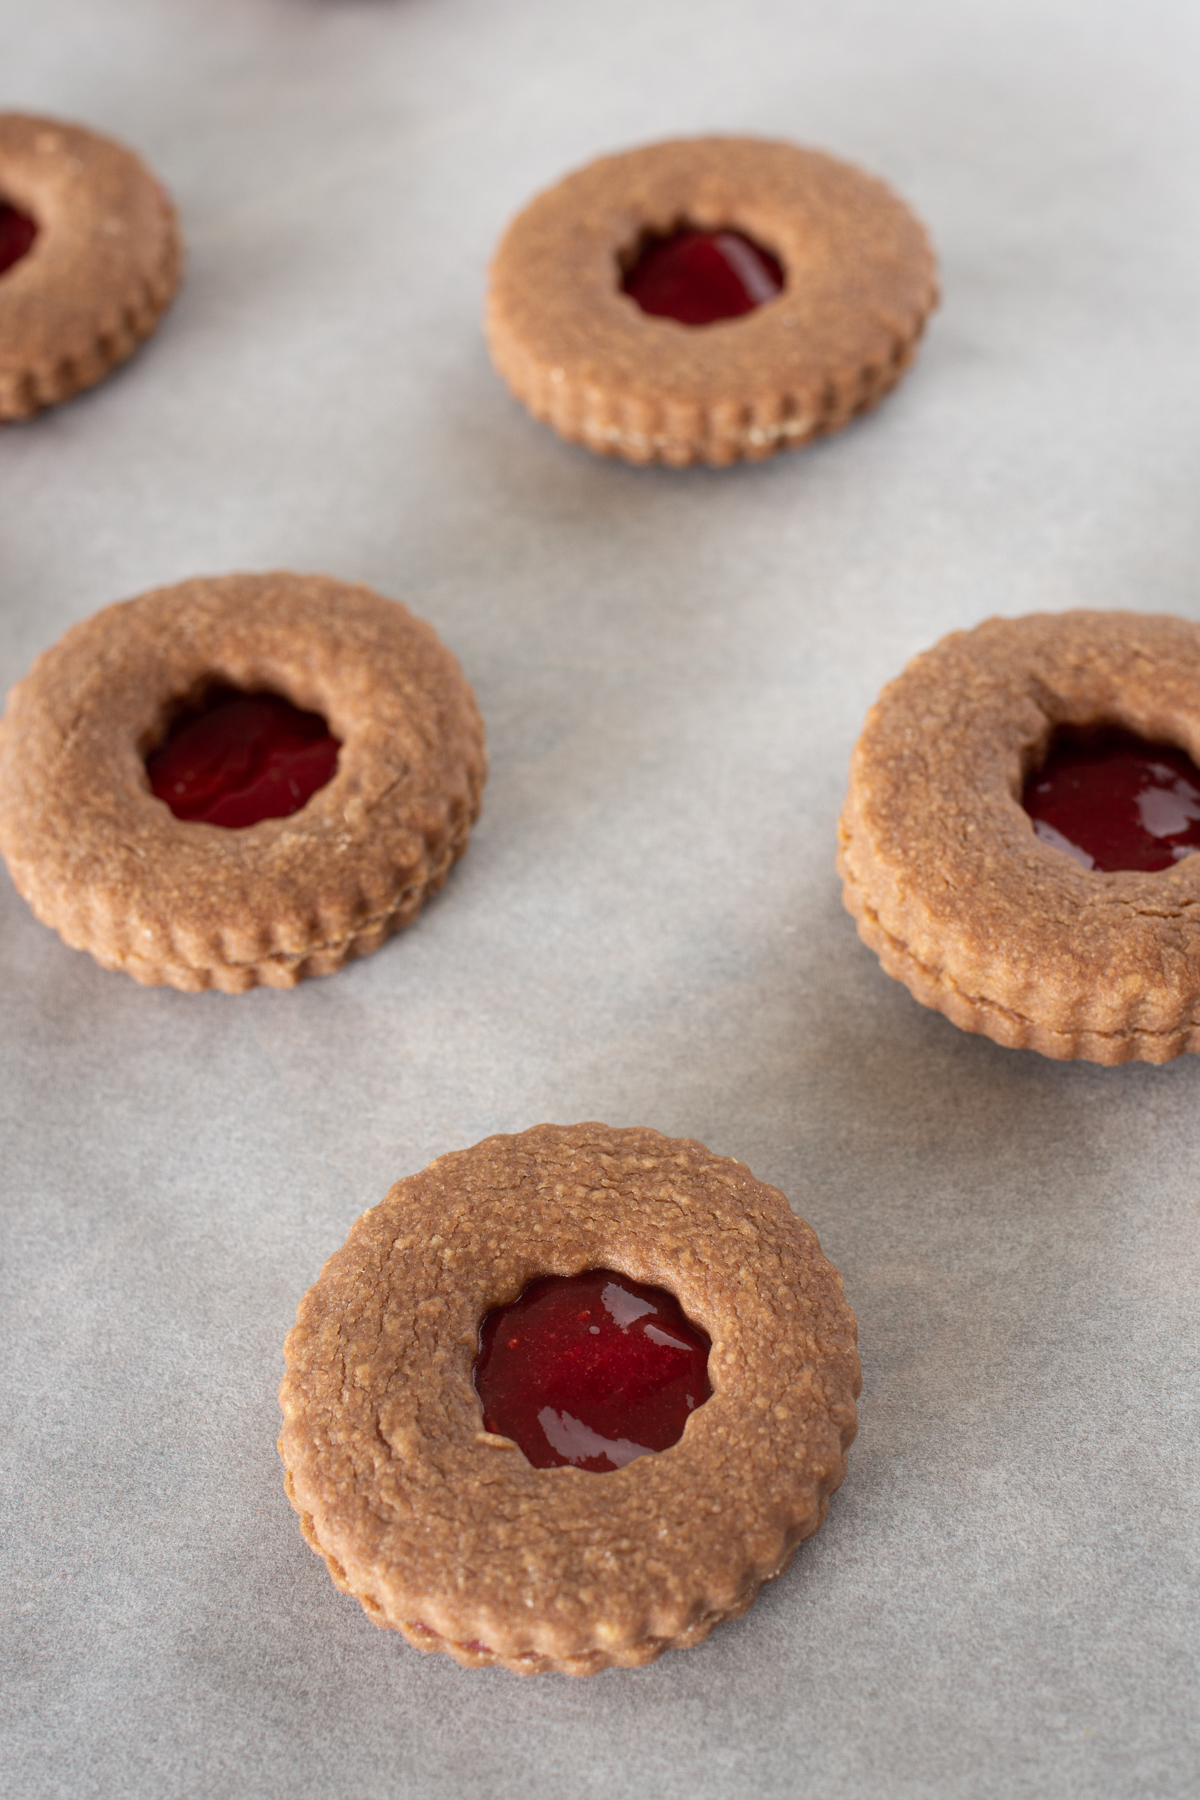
[239, 780]
[567, 1399]
[89, 258]
[1018, 842]
[708, 300]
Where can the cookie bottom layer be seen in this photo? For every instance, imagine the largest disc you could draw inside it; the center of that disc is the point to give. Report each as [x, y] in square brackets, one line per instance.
[988, 1018]
[282, 968]
[474, 1655]
[644, 431]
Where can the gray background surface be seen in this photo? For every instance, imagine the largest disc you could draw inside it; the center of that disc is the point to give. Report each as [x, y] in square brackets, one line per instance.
[647, 927]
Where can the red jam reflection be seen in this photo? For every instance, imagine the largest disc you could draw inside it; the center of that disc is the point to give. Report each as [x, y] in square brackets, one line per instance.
[592, 1370]
[17, 232]
[238, 758]
[1113, 801]
[699, 277]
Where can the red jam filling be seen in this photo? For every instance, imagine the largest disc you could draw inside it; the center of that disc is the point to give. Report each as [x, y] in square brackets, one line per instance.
[17, 232]
[238, 758]
[1113, 801]
[699, 277]
[592, 1370]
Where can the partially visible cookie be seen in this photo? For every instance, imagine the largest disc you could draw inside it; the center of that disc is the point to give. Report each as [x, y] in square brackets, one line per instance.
[581, 353]
[443, 1529]
[991, 916]
[172, 899]
[102, 261]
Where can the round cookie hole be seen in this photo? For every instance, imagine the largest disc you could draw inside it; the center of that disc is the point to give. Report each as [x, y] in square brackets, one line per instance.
[699, 276]
[1114, 800]
[233, 758]
[591, 1370]
[17, 234]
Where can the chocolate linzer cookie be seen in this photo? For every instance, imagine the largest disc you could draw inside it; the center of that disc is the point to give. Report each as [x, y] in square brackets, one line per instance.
[708, 300]
[90, 256]
[567, 1399]
[239, 780]
[1018, 842]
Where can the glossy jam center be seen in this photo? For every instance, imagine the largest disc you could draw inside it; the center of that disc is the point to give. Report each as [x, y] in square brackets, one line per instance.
[590, 1369]
[1113, 801]
[699, 277]
[17, 232]
[238, 758]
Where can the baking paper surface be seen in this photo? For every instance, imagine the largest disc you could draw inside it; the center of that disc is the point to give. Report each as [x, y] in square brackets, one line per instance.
[647, 926]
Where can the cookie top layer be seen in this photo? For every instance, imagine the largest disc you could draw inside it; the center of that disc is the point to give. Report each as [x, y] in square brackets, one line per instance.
[582, 355]
[196, 905]
[953, 888]
[105, 262]
[447, 1532]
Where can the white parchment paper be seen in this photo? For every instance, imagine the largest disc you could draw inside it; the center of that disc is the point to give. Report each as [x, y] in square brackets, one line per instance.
[647, 927]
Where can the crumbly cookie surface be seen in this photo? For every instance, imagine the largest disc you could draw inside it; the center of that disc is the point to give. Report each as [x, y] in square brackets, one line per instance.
[583, 357]
[445, 1532]
[194, 905]
[105, 263]
[949, 883]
